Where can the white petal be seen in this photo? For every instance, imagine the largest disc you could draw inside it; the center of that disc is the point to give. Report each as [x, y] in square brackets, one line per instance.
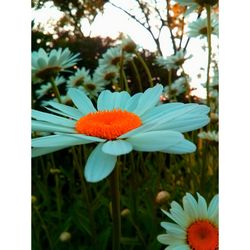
[58, 141]
[105, 100]
[67, 110]
[155, 140]
[133, 102]
[42, 116]
[81, 101]
[202, 207]
[99, 165]
[49, 127]
[43, 151]
[190, 206]
[182, 147]
[148, 99]
[118, 147]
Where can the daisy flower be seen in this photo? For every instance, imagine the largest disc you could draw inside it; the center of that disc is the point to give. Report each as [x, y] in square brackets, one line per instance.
[177, 87]
[45, 88]
[106, 75]
[82, 80]
[199, 27]
[195, 227]
[120, 123]
[192, 5]
[174, 61]
[128, 45]
[46, 65]
[210, 135]
[65, 99]
[112, 57]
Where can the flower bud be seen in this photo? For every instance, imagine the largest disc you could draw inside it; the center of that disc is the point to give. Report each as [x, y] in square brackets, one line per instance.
[65, 236]
[162, 197]
[125, 212]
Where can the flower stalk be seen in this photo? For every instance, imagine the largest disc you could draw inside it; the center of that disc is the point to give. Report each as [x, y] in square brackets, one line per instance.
[146, 68]
[55, 89]
[116, 215]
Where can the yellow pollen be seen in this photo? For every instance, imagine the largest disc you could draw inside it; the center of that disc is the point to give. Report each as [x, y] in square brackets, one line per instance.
[108, 124]
[202, 235]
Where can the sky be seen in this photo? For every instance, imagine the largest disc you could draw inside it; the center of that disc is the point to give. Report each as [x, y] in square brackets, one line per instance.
[113, 21]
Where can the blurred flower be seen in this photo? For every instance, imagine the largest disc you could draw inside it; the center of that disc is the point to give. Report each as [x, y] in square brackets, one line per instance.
[82, 80]
[174, 61]
[33, 199]
[125, 212]
[209, 135]
[113, 56]
[128, 45]
[65, 236]
[47, 65]
[199, 27]
[195, 227]
[45, 88]
[120, 124]
[192, 5]
[162, 197]
[65, 99]
[178, 87]
[105, 75]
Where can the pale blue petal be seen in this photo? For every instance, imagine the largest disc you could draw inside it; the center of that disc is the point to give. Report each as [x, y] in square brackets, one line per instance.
[190, 206]
[178, 215]
[41, 63]
[117, 147]
[105, 100]
[87, 137]
[148, 99]
[180, 247]
[67, 110]
[133, 102]
[81, 101]
[99, 165]
[202, 207]
[110, 101]
[190, 10]
[52, 60]
[182, 117]
[49, 127]
[155, 140]
[121, 99]
[182, 147]
[174, 229]
[167, 239]
[43, 151]
[42, 116]
[58, 141]
[213, 209]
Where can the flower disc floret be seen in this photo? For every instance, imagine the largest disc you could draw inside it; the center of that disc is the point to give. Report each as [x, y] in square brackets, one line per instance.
[108, 124]
[202, 235]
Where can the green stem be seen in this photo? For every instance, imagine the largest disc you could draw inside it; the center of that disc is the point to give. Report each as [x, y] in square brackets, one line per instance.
[116, 215]
[146, 68]
[57, 189]
[125, 81]
[43, 226]
[86, 198]
[208, 8]
[121, 80]
[55, 89]
[137, 75]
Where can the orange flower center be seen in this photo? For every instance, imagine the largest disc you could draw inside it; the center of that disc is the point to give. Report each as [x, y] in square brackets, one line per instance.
[203, 235]
[108, 124]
